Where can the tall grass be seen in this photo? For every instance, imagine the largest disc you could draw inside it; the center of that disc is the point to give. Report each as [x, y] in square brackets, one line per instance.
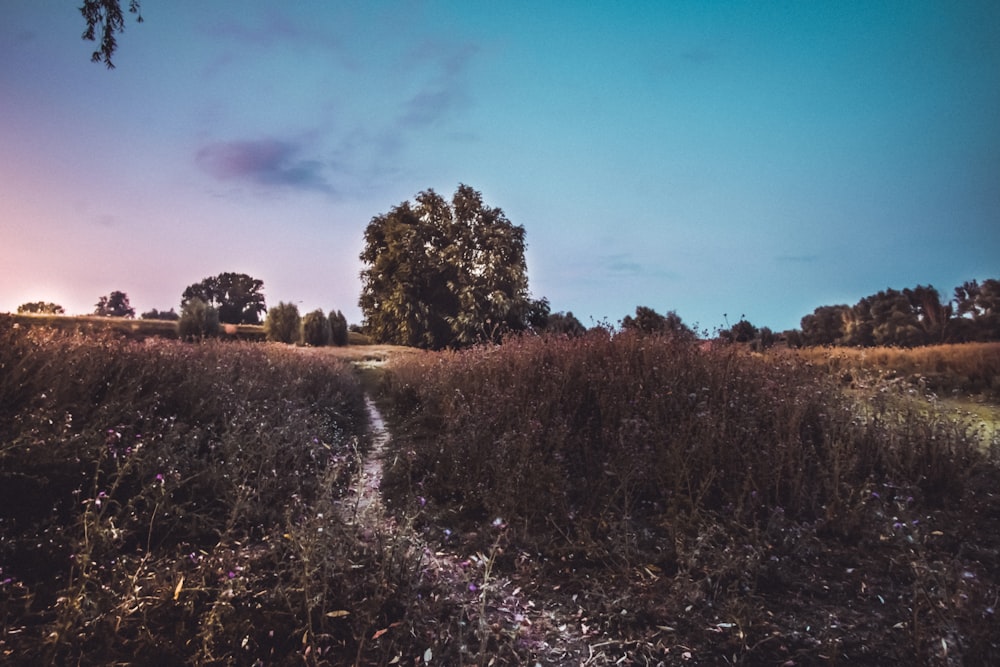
[563, 433]
[967, 369]
[712, 480]
[164, 503]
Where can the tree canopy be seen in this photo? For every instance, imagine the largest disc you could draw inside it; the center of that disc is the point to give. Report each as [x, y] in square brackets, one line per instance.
[910, 317]
[236, 296]
[41, 308]
[114, 305]
[443, 274]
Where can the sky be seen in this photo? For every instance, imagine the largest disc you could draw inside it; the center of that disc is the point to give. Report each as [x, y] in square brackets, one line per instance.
[716, 159]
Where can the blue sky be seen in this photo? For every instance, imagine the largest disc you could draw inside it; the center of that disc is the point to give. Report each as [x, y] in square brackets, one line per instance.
[758, 158]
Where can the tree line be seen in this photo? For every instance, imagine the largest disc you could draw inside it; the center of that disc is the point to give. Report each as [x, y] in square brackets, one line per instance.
[442, 273]
[908, 318]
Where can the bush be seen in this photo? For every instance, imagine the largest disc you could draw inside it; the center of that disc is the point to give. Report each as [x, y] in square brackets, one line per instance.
[315, 329]
[165, 315]
[198, 321]
[283, 324]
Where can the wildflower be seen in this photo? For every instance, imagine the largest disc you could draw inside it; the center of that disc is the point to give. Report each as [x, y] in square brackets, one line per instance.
[472, 587]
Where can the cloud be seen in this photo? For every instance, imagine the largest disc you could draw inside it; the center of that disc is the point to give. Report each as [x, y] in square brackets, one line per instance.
[268, 162]
[446, 87]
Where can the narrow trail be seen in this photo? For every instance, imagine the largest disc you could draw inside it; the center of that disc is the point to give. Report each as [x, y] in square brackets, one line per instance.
[498, 607]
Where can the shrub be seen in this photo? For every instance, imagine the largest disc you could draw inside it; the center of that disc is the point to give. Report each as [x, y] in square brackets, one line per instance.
[283, 323]
[165, 315]
[198, 321]
[315, 329]
[338, 328]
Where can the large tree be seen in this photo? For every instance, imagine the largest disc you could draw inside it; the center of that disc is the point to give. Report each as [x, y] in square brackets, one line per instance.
[443, 274]
[236, 296]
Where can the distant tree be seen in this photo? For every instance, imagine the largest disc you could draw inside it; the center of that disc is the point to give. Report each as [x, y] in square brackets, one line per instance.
[537, 314]
[442, 274]
[107, 17]
[763, 340]
[649, 321]
[793, 338]
[564, 324]
[338, 328]
[825, 326]
[978, 309]
[283, 323]
[41, 308]
[934, 317]
[315, 329]
[236, 296]
[198, 320]
[114, 305]
[742, 332]
[166, 315]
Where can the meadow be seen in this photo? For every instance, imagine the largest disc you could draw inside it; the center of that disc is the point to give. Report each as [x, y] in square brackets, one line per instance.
[609, 499]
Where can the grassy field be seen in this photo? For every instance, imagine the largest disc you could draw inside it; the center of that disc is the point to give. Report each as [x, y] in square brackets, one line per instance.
[602, 500]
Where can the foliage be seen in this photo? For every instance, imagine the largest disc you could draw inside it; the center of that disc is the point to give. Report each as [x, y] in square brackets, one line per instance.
[107, 15]
[981, 305]
[315, 329]
[283, 323]
[909, 318]
[648, 321]
[114, 305]
[237, 297]
[564, 324]
[171, 504]
[165, 315]
[198, 320]
[338, 329]
[41, 307]
[442, 274]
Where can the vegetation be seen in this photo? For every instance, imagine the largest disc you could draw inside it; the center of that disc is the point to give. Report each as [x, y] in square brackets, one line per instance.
[283, 323]
[108, 17]
[442, 274]
[909, 318]
[315, 329]
[41, 308]
[198, 320]
[649, 321]
[236, 296]
[163, 503]
[166, 315]
[338, 329]
[114, 305]
[728, 506]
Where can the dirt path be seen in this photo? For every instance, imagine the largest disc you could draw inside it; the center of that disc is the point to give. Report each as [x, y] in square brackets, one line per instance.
[506, 615]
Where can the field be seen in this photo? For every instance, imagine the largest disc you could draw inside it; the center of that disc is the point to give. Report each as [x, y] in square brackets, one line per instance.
[594, 501]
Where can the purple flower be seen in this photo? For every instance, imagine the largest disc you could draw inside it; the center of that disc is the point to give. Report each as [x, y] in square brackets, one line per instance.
[473, 588]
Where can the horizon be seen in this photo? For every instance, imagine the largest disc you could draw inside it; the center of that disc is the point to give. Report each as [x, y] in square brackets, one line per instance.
[742, 159]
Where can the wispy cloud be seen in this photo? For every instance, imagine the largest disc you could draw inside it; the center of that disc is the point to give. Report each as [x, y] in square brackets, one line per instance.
[268, 162]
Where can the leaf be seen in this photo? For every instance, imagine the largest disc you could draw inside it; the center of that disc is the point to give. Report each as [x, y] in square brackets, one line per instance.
[180, 585]
[379, 633]
[340, 613]
[428, 655]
